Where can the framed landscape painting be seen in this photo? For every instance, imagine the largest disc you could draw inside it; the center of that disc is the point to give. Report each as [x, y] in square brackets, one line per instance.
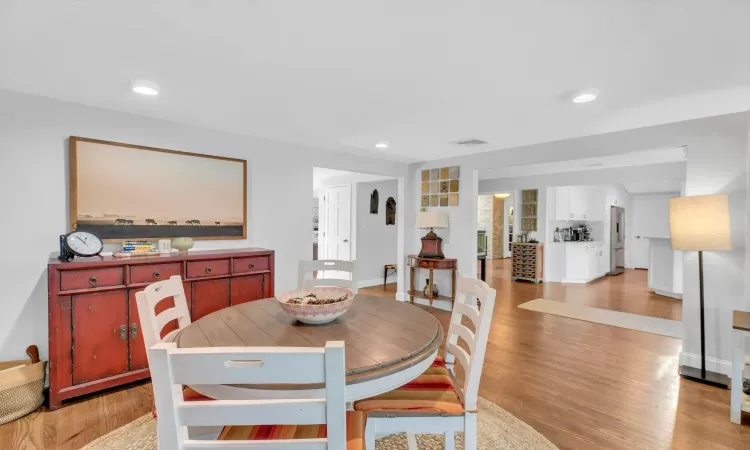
[122, 191]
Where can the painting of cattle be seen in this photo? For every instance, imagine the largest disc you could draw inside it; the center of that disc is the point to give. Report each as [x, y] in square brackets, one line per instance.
[155, 193]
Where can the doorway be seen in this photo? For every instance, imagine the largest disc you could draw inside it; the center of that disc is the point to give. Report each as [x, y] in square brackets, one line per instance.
[361, 220]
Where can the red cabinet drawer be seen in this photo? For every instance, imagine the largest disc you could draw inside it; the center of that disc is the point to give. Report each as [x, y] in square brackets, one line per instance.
[202, 269]
[87, 279]
[254, 264]
[154, 272]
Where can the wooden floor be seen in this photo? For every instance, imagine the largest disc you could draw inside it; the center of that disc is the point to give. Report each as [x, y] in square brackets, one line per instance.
[582, 385]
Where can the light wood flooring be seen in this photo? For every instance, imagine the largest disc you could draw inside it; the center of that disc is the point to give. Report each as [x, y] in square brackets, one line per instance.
[582, 385]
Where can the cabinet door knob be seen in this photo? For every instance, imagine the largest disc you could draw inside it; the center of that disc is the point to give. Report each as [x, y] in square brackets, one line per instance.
[123, 332]
[252, 265]
[133, 330]
[208, 270]
[156, 274]
[92, 281]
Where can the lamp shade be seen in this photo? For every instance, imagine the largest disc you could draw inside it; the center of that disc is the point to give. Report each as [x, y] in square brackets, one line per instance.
[700, 223]
[431, 219]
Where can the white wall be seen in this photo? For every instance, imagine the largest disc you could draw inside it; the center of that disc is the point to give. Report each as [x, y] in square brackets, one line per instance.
[33, 142]
[484, 220]
[716, 165]
[459, 241]
[376, 241]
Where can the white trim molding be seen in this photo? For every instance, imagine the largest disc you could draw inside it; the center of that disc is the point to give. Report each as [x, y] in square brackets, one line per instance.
[713, 364]
[401, 296]
[668, 294]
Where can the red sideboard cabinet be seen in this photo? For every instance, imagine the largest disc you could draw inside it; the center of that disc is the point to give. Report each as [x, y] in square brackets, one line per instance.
[95, 339]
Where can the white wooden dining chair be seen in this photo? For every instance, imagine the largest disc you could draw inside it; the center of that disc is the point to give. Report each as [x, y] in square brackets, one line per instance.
[448, 411]
[152, 323]
[246, 422]
[326, 269]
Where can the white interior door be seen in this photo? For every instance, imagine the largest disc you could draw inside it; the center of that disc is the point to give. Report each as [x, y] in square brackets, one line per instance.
[338, 208]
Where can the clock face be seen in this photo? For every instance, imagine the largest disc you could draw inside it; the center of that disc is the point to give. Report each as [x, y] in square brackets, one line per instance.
[83, 244]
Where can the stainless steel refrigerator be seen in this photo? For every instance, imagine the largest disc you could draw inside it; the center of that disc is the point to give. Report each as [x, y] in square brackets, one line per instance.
[617, 240]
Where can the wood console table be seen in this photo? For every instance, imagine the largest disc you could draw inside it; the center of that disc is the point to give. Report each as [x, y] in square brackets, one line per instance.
[415, 262]
[741, 330]
[95, 341]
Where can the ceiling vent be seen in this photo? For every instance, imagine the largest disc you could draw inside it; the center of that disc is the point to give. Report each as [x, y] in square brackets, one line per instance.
[469, 142]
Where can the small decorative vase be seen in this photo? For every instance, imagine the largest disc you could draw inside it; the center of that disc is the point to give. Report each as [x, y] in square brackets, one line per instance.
[182, 244]
[426, 290]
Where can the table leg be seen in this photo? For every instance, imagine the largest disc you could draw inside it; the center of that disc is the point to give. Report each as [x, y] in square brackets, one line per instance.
[411, 285]
[484, 268]
[738, 363]
[385, 276]
[453, 287]
[431, 290]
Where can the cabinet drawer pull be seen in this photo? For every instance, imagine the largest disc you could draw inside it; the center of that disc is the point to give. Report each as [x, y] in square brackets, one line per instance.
[123, 332]
[208, 270]
[92, 281]
[156, 274]
[252, 265]
[133, 331]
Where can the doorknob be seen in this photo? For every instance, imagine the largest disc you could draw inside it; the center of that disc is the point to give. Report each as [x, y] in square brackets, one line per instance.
[346, 240]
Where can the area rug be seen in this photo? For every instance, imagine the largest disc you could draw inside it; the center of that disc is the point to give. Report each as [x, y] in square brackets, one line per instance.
[498, 430]
[654, 325]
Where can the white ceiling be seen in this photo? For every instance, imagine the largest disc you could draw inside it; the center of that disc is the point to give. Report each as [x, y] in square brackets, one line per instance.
[343, 75]
[641, 158]
[321, 174]
[653, 186]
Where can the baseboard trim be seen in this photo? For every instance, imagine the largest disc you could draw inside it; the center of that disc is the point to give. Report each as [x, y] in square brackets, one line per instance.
[401, 296]
[713, 364]
[370, 283]
[667, 294]
[445, 305]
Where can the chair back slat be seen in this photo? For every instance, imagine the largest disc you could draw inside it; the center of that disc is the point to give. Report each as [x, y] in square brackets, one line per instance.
[325, 269]
[232, 412]
[232, 365]
[173, 367]
[280, 444]
[470, 311]
[469, 291]
[466, 334]
[151, 323]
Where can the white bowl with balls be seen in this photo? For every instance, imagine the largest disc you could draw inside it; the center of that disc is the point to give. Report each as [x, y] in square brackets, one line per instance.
[316, 305]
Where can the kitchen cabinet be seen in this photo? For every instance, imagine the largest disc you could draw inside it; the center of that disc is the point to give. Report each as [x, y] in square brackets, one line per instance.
[95, 336]
[209, 296]
[100, 336]
[583, 262]
[579, 203]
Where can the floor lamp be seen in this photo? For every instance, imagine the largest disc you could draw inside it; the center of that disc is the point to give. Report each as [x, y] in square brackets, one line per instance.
[701, 223]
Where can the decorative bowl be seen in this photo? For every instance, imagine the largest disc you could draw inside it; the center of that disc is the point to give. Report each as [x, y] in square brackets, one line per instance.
[182, 244]
[316, 314]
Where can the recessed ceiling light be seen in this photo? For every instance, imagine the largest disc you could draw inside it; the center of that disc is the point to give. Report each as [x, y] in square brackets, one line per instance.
[502, 195]
[145, 87]
[585, 96]
[382, 144]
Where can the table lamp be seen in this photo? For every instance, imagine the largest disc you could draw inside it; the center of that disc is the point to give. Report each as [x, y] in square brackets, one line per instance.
[432, 244]
[701, 223]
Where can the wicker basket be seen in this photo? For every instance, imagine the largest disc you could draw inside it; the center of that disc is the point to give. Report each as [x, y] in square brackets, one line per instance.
[21, 389]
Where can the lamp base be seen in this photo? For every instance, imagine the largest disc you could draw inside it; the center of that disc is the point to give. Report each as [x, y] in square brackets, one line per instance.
[712, 378]
[432, 246]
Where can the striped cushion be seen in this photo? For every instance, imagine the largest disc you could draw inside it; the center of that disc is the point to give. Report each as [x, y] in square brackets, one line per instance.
[190, 395]
[433, 391]
[355, 428]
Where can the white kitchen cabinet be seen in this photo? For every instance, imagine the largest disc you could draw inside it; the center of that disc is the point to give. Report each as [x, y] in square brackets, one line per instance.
[579, 203]
[562, 203]
[584, 262]
[603, 261]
